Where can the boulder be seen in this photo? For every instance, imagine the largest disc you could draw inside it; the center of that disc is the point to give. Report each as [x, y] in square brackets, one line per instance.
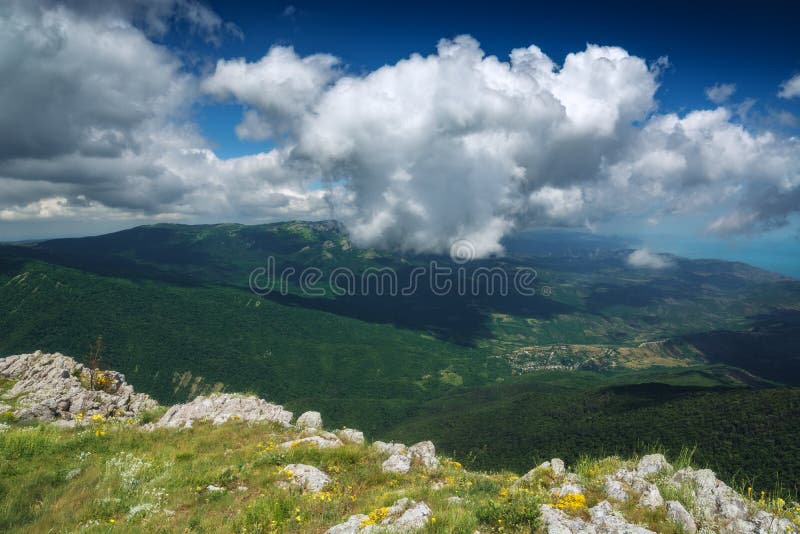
[323, 442]
[349, 435]
[310, 420]
[51, 387]
[306, 477]
[605, 521]
[424, 453]
[404, 516]
[389, 448]
[397, 463]
[652, 464]
[678, 515]
[221, 407]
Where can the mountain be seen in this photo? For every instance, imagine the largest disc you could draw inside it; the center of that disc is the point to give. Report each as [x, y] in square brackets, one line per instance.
[625, 346]
[80, 450]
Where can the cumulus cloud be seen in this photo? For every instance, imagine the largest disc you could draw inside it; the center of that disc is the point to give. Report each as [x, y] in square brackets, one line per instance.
[644, 259]
[720, 93]
[414, 155]
[461, 145]
[790, 88]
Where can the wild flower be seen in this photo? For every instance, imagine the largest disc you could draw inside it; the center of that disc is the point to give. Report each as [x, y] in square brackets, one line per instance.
[375, 516]
[130, 468]
[571, 502]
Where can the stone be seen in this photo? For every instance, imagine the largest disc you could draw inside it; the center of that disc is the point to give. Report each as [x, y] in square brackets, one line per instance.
[404, 516]
[310, 420]
[455, 500]
[349, 435]
[351, 526]
[389, 448]
[652, 464]
[397, 463]
[221, 407]
[557, 522]
[651, 497]
[306, 477]
[614, 489]
[605, 521]
[714, 500]
[50, 387]
[424, 452]
[678, 515]
[315, 441]
[211, 488]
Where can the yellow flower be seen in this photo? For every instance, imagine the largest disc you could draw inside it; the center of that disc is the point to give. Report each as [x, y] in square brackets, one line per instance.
[571, 502]
[112, 520]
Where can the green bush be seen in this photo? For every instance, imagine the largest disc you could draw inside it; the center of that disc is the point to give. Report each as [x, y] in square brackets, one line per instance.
[512, 511]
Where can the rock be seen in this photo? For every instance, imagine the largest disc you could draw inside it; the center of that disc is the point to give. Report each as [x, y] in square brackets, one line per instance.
[678, 514]
[415, 515]
[768, 523]
[615, 490]
[739, 526]
[349, 435]
[557, 522]
[403, 516]
[605, 521]
[310, 420]
[222, 407]
[424, 452]
[571, 484]
[556, 465]
[714, 500]
[652, 464]
[307, 477]
[389, 448]
[651, 497]
[351, 526]
[455, 500]
[211, 488]
[397, 463]
[322, 442]
[48, 387]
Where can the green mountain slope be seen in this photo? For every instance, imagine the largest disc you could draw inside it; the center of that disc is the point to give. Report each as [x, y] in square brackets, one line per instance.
[174, 307]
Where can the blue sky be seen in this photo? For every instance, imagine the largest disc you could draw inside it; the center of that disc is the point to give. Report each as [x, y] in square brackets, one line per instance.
[417, 124]
[714, 42]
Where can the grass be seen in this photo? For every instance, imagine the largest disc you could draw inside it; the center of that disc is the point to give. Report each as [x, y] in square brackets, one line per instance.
[125, 479]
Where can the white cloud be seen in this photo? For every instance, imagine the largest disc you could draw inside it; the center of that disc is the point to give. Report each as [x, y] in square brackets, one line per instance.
[416, 154]
[644, 259]
[790, 88]
[720, 93]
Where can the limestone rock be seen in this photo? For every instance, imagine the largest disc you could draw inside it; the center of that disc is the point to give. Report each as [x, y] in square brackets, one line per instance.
[48, 387]
[614, 489]
[222, 407]
[310, 420]
[605, 521]
[404, 516]
[307, 477]
[323, 442]
[389, 448]
[715, 501]
[397, 463]
[424, 452]
[349, 435]
[678, 514]
[652, 464]
[651, 497]
[557, 522]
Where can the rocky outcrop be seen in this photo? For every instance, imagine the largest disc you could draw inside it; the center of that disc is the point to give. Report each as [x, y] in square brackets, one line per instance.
[310, 420]
[402, 459]
[222, 407]
[403, 516]
[305, 477]
[53, 387]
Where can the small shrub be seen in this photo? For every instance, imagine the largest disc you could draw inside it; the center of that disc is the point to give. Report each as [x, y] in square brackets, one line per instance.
[517, 510]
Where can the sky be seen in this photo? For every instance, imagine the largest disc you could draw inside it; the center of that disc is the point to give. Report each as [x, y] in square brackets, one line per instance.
[415, 124]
